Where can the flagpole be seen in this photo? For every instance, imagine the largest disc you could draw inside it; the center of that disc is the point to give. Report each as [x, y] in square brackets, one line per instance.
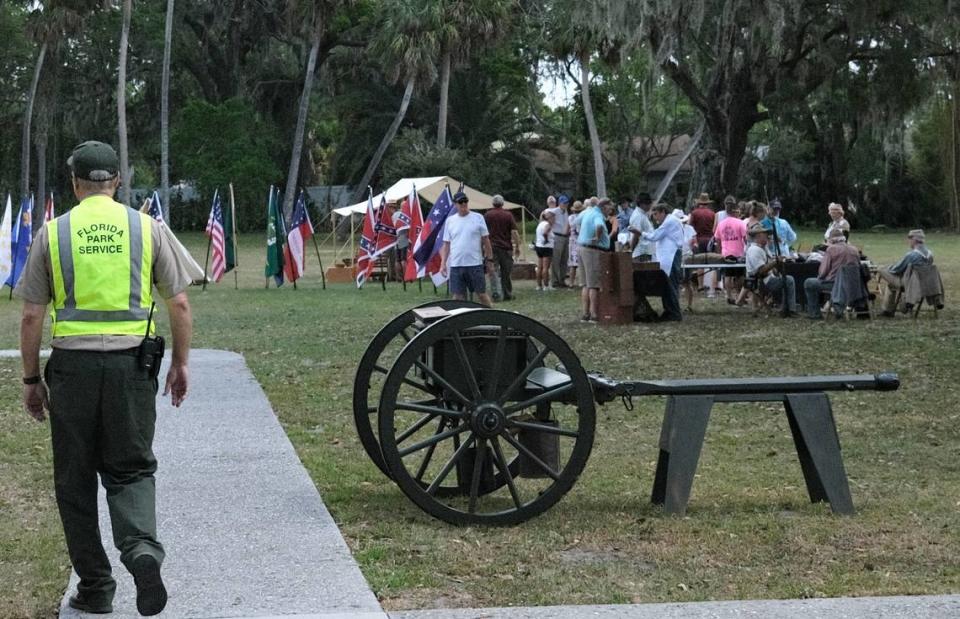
[206, 262]
[236, 256]
[323, 275]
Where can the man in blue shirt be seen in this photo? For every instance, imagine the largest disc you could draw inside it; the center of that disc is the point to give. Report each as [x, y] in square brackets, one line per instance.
[893, 275]
[592, 240]
[785, 233]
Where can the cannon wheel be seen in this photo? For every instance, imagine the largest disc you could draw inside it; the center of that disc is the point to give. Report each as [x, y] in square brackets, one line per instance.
[377, 360]
[481, 427]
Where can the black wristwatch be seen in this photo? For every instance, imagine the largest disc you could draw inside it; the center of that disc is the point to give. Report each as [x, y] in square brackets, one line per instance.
[31, 380]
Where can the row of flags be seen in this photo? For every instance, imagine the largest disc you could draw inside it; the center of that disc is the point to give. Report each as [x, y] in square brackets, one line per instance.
[286, 250]
[383, 225]
[17, 236]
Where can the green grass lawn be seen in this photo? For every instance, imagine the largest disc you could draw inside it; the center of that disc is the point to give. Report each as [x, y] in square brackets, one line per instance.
[750, 531]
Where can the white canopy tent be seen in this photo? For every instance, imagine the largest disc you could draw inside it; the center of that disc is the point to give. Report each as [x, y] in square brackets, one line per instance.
[429, 189]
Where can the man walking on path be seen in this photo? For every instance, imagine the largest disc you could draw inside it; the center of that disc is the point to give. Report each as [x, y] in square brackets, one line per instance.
[561, 237]
[505, 241]
[466, 250]
[98, 264]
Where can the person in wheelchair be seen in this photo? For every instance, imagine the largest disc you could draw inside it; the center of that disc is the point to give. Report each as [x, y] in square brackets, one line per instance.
[837, 255]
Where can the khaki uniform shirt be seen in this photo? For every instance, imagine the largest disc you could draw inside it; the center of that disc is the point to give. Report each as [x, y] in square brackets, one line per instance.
[36, 286]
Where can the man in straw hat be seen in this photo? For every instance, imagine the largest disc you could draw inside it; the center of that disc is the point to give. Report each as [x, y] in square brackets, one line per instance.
[837, 255]
[759, 266]
[893, 275]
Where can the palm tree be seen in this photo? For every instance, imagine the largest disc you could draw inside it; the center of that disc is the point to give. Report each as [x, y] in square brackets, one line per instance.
[27, 120]
[48, 27]
[595, 146]
[318, 13]
[122, 103]
[570, 32]
[407, 49]
[165, 114]
[463, 25]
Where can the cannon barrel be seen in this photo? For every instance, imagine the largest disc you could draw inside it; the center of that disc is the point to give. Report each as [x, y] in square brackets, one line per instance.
[606, 389]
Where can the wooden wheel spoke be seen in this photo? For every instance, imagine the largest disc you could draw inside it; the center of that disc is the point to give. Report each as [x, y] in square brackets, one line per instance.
[480, 453]
[546, 396]
[433, 440]
[440, 380]
[429, 455]
[415, 427]
[418, 407]
[432, 488]
[522, 377]
[497, 363]
[539, 427]
[533, 457]
[501, 463]
[466, 367]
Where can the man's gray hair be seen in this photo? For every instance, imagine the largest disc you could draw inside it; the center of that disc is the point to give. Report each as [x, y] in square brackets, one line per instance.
[497, 200]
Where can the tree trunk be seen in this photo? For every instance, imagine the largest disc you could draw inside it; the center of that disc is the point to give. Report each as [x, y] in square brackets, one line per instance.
[122, 104]
[40, 205]
[592, 126]
[954, 180]
[165, 114]
[297, 150]
[444, 100]
[385, 142]
[27, 119]
[677, 164]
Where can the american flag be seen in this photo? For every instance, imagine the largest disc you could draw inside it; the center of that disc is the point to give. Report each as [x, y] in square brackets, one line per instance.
[301, 229]
[426, 251]
[214, 231]
[154, 209]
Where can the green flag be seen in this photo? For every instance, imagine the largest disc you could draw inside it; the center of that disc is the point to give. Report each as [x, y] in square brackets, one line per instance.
[275, 239]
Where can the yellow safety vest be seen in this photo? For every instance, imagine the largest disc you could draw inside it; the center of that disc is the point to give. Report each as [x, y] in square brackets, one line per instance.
[101, 254]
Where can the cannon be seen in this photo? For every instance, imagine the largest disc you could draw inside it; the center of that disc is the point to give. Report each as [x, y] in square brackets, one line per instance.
[484, 416]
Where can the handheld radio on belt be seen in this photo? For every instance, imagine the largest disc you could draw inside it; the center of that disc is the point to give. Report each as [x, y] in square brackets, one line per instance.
[150, 354]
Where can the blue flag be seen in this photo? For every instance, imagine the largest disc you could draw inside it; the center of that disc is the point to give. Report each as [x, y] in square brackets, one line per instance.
[20, 243]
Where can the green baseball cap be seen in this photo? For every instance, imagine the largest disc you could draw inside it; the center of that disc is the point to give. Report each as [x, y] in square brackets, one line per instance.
[94, 161]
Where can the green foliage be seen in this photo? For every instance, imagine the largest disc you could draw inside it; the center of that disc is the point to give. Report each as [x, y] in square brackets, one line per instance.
[217, 144]
[929, 162]
[415, 154]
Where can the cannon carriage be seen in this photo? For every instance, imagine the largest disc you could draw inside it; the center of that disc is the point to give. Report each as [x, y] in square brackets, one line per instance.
[484, 416]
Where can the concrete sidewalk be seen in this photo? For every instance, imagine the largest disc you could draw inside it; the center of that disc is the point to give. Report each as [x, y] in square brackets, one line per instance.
[245, 530]
[900, 607]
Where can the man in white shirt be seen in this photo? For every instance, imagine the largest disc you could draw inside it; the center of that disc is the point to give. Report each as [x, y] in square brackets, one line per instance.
[760, 267]
[640, 223]
[669, 239]
[466, 251]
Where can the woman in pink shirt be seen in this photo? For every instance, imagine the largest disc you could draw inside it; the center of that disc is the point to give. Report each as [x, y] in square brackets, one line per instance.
[731, 238]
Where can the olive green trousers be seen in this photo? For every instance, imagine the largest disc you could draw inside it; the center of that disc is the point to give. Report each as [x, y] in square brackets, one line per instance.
[102, 416]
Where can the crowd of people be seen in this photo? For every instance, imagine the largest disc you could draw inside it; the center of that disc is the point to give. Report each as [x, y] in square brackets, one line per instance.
[744, 249]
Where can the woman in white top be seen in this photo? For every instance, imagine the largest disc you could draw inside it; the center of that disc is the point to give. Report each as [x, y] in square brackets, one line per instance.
[837, 221]
[543, 245]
